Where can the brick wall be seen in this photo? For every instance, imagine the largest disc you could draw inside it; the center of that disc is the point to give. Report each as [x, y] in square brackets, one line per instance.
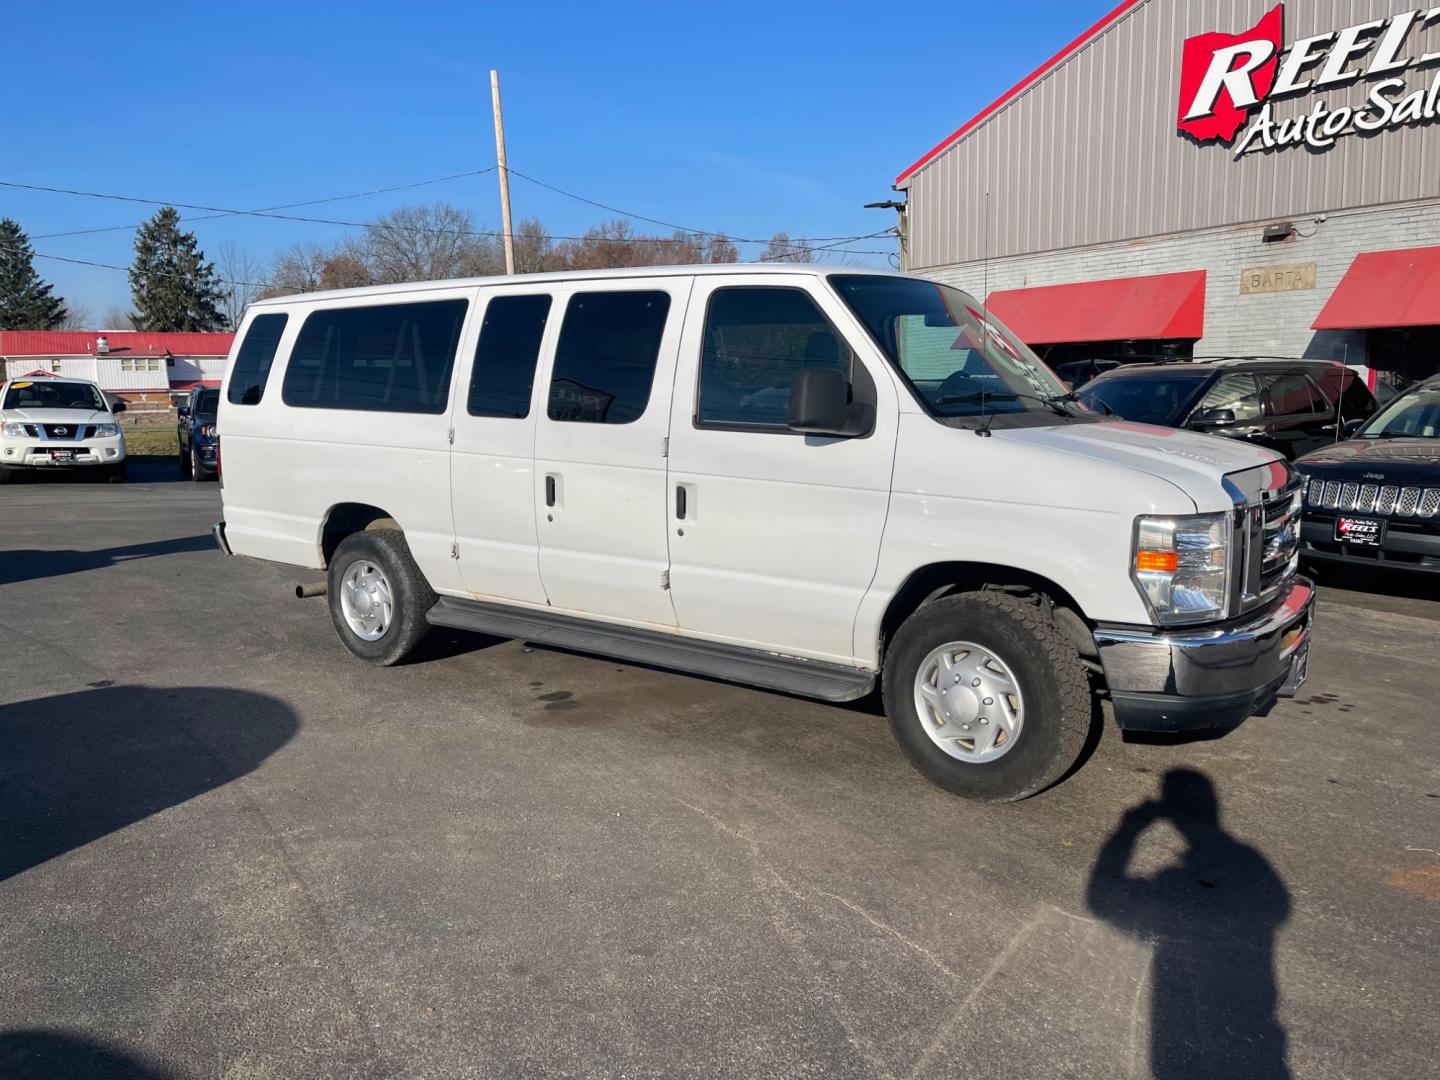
[1276, 324]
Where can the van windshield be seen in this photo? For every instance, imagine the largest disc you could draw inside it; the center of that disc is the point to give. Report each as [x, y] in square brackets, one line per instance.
[960, 362]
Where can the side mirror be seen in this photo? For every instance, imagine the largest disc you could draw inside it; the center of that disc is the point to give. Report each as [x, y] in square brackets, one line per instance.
[117, 408]
[182, 412]
[1213, 418]
[1351, 428]
[820, 405]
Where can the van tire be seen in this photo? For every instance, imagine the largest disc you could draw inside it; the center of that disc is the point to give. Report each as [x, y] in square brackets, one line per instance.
[1059, 709]
[412, 595]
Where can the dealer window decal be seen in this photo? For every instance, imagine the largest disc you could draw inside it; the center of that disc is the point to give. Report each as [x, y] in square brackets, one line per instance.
[1230, 82]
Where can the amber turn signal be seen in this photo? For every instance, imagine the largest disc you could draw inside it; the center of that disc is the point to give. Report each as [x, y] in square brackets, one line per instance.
[1164, 561]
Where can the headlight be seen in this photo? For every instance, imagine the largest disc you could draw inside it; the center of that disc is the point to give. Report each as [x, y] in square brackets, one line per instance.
[17, 430]
[1182, 566]
[106, 431]
[209, 431]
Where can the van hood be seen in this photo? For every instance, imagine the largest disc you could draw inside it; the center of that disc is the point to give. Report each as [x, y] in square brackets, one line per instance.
[1193, 463]
[58, 416]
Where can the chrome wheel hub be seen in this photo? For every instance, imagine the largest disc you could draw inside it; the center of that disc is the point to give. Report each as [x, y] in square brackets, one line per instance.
[969, 702]
[366, 600]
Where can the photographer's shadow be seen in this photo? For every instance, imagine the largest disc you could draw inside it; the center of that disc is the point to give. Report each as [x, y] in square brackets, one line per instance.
[1212, 919]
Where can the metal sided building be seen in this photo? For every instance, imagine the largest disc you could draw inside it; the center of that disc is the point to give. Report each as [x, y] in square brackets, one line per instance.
[1206, 177]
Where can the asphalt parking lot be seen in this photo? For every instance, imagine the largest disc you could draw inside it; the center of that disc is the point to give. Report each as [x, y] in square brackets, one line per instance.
[227, 848]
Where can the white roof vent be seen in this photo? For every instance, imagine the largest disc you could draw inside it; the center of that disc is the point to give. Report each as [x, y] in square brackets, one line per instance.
[102, 344]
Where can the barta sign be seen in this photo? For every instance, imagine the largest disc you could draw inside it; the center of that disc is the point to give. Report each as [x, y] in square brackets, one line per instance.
[1225, 78]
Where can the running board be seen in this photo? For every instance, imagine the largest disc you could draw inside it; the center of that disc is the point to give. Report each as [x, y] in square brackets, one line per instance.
[805, 678]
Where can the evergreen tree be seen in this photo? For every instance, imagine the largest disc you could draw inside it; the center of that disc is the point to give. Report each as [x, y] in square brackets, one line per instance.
[174, 288]
[26, 301]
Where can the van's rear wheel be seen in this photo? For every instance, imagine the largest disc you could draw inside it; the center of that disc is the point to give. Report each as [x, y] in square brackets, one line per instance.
[986, 696]
[377, 596]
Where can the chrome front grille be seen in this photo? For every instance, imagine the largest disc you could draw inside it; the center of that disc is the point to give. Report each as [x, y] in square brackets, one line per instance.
[1279, 541]
[1268, 503]
[1387, 499]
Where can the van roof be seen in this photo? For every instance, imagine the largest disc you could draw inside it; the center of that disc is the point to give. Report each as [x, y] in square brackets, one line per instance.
[620, 273]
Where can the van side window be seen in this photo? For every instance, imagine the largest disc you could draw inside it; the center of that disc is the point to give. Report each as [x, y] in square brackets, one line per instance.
[504, 371]
[252, 362]
[605, 359]
[756, 339]
[387, 358]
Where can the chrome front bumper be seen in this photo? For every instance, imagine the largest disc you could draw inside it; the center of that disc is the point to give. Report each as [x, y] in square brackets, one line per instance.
[1191, 679]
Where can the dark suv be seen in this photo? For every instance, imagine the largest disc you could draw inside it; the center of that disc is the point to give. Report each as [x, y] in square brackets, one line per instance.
[1293, 406]
[1376, 498]
[196, 430]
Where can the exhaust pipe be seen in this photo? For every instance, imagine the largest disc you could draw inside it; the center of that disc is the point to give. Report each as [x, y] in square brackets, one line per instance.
[314, 589]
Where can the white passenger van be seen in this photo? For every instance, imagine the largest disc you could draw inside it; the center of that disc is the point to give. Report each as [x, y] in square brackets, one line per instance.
[806, 479]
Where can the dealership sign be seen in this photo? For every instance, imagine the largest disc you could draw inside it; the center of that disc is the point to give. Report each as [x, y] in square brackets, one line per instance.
[1230, 82]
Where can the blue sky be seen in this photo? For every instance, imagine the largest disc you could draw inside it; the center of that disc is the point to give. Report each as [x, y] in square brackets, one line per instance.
[746, 117]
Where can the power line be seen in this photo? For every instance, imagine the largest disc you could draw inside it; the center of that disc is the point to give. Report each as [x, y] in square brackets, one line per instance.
[126, 270]
[220, 211]
[283, 206]
[657, 221]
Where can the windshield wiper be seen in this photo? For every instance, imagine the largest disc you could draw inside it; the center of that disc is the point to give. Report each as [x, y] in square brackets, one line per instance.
[1055, 401]
[979, 395]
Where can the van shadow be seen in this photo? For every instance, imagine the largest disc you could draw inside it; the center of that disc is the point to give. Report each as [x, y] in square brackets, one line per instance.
[38, 1054]
[79, 766]
[1212, 918]
[30, 564]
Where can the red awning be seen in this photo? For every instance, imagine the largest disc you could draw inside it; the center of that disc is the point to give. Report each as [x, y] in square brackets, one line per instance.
[1121, 309]
[1386, 288]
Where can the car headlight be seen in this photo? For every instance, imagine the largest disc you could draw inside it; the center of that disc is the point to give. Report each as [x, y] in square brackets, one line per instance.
[1182, 566]
[17, 430]
[209, 431]
[106, 431]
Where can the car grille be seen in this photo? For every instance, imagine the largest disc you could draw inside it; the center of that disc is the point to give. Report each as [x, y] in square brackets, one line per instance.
[59, 432]
[1387, 499]
[1267, 532]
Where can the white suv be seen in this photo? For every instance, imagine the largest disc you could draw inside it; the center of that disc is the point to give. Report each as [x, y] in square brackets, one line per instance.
[50, 423]
[815, 481]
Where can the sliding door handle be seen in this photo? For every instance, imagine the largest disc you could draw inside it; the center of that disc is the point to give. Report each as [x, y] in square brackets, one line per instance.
[680, 502]
[550, 490]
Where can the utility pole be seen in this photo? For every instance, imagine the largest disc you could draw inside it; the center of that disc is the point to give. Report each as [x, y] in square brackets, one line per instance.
[504, 173]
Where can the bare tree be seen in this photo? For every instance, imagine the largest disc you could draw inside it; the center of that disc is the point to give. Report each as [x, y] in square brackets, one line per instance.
[346, 268]
[721, 250]
[297, 269]
[117, 318]
[242, 279]
[428, 242]
[782, 249]
[77, 317]
[534, 250]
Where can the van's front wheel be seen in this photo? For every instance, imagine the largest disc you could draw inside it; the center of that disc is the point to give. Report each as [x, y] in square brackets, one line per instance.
[986, 696]
[377, 596]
